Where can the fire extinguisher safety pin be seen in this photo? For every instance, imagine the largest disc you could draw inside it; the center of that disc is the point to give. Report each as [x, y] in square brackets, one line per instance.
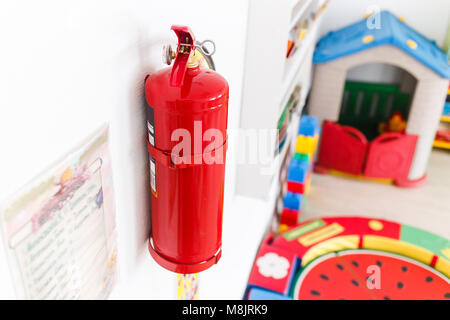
[204, 48]
[207, 47]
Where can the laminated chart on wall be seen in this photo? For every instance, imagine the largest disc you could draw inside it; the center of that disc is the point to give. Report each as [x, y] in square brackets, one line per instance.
[59, 230]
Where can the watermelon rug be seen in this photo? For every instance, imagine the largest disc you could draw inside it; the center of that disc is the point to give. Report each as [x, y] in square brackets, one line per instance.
[343, 258]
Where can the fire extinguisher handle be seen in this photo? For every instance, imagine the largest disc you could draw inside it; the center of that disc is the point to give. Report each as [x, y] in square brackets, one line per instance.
[186, 43]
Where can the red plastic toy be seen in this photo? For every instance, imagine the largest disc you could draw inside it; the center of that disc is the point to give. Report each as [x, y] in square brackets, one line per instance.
[345, 149]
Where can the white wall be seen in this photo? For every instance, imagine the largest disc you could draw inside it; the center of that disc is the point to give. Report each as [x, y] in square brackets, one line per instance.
[428, 17]
[69, 66]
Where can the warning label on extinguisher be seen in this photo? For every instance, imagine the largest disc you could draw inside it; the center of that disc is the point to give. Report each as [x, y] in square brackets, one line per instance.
[151, 139]
[151, 125]
[153, 175]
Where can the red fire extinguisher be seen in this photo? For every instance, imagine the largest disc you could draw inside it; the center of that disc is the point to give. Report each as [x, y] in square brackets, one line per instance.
[187, 122]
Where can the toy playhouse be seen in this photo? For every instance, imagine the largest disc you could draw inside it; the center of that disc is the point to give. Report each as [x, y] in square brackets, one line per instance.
[376, 130]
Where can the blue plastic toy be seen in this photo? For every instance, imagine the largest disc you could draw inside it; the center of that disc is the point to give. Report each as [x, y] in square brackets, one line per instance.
[446, 109]
[298, 170]
[292, 201]
[309, 126]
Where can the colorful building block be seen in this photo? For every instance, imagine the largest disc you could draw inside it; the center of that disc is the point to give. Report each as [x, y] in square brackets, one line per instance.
[299, 187]
[446, 108]
[309, 126]
[289, 217]
[298, 177]
[298, 170]
[292, 201]
[306, 145]
[302, 157]
[296, 187]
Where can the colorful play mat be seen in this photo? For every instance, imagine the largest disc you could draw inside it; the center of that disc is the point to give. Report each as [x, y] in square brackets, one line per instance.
[351, 258]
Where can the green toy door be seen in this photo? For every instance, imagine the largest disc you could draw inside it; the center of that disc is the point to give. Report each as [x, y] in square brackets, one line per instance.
[366, 105]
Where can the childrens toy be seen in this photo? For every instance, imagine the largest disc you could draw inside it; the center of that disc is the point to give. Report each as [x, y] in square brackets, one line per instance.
[192, 104]
[299, 171]
[292, 201]
[351, 258]
[396, 123]
[442, 139]
[351, 112]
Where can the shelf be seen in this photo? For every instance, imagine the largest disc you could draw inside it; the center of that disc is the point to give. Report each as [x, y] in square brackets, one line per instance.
[291, 138]
[298, 10]
[292, 65]
[277, 79]
[275, 186]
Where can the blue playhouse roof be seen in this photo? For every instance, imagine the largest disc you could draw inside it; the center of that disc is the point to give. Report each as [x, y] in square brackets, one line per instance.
[349, 40]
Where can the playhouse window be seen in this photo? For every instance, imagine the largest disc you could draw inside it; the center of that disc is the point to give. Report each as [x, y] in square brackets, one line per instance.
[373, 93]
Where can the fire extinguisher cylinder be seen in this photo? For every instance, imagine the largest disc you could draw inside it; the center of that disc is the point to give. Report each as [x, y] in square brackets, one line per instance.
[187, 110]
